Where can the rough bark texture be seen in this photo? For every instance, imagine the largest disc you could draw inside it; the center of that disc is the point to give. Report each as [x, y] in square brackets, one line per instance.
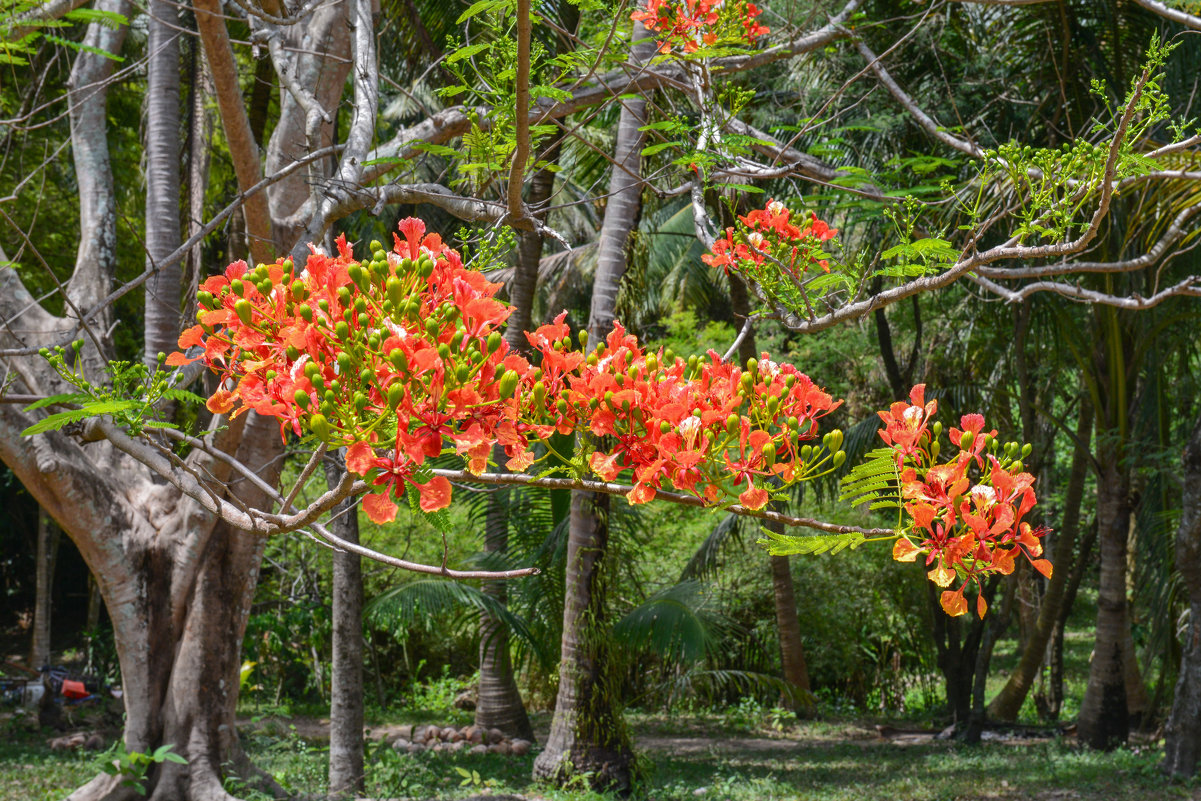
[788, 623]
[346, 671]
[587, 734]
[47, 554]
[242, 146]
[1104, 719]
[499, 705]
[320, 55]
[1008, 702]
[1182, 737]
[162, 180]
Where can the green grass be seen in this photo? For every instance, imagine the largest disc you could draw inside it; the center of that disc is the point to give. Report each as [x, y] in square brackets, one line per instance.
[815, 761]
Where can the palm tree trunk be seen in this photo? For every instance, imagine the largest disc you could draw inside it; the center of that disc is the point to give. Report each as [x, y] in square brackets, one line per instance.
[1104, 718]
[788, 623]
[1008, 702]
[1182, 737]
[162, 180]
[499, 705]
[346, 670]
[587, 734]
[47, 554]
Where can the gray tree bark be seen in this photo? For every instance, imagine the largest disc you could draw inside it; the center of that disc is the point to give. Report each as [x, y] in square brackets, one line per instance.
[1182, 736]
[1008, 702]
[47, 554]
[499, 704]
[163, 135]
[346, 671]
[587, 734]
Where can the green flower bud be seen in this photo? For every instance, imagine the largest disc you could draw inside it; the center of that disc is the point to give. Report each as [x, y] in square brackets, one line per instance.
[508, 383]
[320, 427]
[243, 309]
[396, 394]
[395, 291]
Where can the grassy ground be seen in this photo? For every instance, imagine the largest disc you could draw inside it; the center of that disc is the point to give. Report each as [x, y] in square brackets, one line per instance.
[684, 759]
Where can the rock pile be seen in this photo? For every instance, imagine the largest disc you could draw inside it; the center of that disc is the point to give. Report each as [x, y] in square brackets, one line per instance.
[472, 739]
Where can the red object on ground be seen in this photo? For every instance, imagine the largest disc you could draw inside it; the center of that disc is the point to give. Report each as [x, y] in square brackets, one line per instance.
[74, 690]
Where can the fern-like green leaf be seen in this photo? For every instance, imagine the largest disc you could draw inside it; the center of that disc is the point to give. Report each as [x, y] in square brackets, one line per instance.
[57, 421]
[789, 544]
[69, 397]
[874, 481]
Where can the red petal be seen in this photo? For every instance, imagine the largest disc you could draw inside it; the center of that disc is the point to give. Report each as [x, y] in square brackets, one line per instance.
[221, 402]
[753, 497]
[1042, 566]
[953, 603]
[904, 550]
[435, 494]
[379, 508]
[190, 337]
[360, 458]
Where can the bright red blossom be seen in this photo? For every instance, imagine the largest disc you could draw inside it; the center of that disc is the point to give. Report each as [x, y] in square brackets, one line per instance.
[966, 513]
[400, 360]
[768, 234]
[692, 24]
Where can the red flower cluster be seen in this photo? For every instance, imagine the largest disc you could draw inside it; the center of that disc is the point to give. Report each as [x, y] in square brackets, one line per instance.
[400, 356]
[703, 426]
[769, 234]
[967, 512]
[691, 24]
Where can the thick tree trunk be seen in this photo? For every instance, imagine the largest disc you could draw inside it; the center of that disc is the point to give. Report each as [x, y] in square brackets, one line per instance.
[47, 554]
[162, 180]
[1104, 718]
[178, 587]
[1182, 737]
[587, 737]
[499, 705]
[177, 583]
[587, 734]
[346, 671]
[788, 623]
[320, 57]
[1008, 702]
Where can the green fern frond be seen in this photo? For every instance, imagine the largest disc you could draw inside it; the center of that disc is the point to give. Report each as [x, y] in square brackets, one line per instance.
[875, 481]
[57, 421]
[788, 544]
